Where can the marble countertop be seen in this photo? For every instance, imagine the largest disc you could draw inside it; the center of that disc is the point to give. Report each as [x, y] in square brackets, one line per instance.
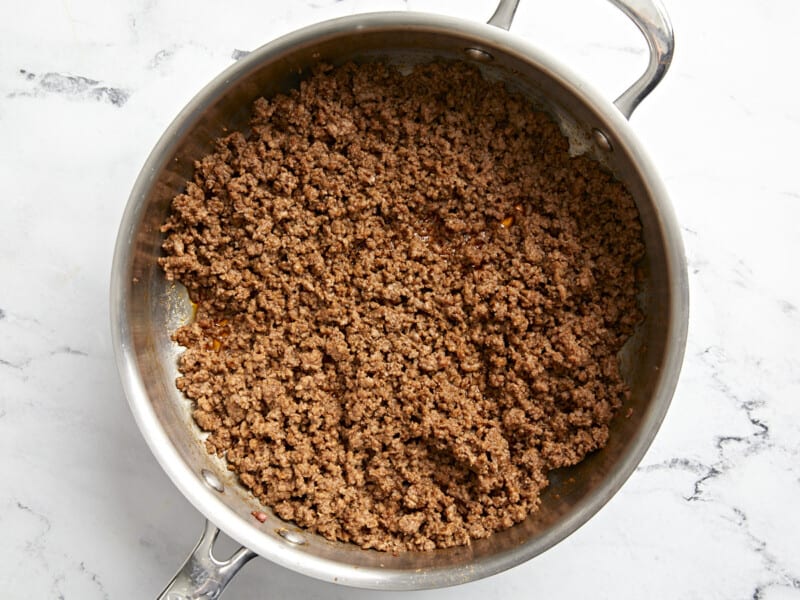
[86, 88]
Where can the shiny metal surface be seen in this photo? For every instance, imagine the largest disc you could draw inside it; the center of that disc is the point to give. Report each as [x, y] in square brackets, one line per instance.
[652, 20]
[212, 480]
[293, 537]
[504, 14]
[203, 576]
[145, 308]
[601, 139]
[478, 54]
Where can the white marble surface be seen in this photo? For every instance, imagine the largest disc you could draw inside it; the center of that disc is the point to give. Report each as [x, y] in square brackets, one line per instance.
[87, 86]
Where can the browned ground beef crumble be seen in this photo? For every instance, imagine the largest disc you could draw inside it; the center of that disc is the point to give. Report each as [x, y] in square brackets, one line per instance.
[409, 303]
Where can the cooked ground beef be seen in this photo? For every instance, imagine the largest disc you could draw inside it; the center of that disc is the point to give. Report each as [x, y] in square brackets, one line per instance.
[410, 298]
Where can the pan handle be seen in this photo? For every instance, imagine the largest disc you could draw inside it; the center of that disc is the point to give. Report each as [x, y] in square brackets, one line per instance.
[652, 20]
[504, 14]
[202, 576]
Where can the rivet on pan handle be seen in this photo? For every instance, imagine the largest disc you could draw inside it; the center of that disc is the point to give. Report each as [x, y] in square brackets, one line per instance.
[203, 576]
[652, 20]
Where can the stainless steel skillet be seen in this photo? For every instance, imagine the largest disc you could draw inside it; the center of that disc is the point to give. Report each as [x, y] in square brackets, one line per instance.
[145, 308]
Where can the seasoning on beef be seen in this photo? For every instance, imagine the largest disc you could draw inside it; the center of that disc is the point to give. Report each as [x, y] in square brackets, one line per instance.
[410, 299]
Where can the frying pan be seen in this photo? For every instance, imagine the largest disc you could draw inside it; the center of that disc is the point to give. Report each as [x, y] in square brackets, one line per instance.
[145, 308]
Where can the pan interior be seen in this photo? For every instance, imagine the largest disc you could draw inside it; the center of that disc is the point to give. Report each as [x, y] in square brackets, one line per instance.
[154, 307]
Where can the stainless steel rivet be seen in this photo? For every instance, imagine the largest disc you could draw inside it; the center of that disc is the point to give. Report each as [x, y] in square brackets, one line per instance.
[478, 54]
[212, 480]
[601, 139]
[292, 537]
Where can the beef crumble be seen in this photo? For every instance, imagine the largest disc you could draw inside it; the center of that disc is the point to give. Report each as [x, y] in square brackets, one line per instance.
[410, 299]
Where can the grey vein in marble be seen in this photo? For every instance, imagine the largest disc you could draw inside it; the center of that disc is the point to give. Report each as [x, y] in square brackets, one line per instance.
[94, 578]
[160, 56]
[781, 578]
[68, 350]
[75, 86]
[35, 548]
[35, 545]
[756, 441]
[15, 365]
